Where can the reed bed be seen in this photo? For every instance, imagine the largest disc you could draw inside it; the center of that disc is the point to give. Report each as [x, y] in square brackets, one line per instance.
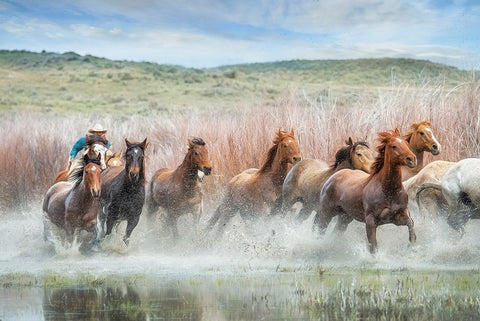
[35, 146]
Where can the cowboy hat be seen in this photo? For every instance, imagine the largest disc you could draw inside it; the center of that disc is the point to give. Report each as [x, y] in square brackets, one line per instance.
[97, 128]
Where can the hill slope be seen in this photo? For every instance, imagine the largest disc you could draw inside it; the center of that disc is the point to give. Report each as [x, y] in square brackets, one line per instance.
[70, 82]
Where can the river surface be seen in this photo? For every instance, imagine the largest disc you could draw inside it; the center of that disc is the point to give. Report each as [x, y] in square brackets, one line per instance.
[272, 269]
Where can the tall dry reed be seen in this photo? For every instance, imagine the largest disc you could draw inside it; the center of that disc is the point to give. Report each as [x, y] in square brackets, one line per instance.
[34, 147]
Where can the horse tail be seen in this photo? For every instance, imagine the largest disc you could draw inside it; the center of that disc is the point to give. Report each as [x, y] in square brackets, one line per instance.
[436, 185]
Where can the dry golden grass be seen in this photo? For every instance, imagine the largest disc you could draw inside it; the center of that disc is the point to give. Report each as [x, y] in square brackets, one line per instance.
[35, 146]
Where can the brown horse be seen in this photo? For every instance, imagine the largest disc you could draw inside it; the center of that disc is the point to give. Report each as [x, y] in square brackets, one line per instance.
[305, 180]
[255, 190]
[420, 139]
[178, 191]
[73, 204]
[115, 159]
[377, 198]
[123, 191]
[96, 145]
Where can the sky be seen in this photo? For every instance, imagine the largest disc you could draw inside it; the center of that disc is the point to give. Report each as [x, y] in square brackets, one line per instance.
[209, 33]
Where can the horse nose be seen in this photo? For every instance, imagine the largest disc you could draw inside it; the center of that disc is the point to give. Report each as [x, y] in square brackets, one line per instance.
[436, 149]
[296, 159]
[207, 170]
[95, 192]
[411, 161]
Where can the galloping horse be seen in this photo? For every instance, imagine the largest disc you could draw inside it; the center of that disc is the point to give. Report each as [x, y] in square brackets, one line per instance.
[96, 145]
[461, 188]
[178, 191]
[305, 180]
[123, 191]
[432, 200]
[377, 198]
[74, 204]
[255, 190]
[420, 139]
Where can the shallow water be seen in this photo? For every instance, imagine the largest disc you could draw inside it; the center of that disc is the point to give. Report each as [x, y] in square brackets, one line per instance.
[273, 269]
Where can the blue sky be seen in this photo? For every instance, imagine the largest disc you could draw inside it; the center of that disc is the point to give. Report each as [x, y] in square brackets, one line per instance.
[208, 33]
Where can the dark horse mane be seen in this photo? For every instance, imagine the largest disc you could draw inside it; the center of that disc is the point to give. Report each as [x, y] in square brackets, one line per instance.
[273, 150]
[198, 141]
[379, 161]
[77, 175]
[408, 135]
[345, 153]
[96, 139]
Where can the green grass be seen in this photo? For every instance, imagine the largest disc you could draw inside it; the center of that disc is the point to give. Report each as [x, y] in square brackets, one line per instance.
[64, 83]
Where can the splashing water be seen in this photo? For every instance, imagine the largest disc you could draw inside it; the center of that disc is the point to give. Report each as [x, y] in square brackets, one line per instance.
[265, 244]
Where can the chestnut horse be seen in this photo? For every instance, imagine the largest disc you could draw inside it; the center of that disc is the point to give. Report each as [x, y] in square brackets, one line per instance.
[460, 186]
[178, 191]
[305, 180]
[123, 191]
[96, 145]
[74, 204]
[377, 198]
[420, 139]
[115, 159]
[254, 191]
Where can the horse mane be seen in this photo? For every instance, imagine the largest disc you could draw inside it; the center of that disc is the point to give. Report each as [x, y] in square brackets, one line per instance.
[92, 139]
[198, 141]
[76, 175]
[379, 161]
[408, 135]
[345, 153]
[273, 150]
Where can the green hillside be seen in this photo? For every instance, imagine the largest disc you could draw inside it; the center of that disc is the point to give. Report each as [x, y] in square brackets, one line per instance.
[68, 82]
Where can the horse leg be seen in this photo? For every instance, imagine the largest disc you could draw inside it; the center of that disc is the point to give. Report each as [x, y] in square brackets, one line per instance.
[404, 218]
[371, 227]
[304, 213]
[323, 217]
[152, 209]
[277, 208]
[342, 223]
[131, 224]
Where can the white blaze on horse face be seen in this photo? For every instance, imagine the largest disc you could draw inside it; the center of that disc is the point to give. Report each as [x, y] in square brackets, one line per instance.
[433, 137]
[200, 175]
[399, 140]
[94, 168]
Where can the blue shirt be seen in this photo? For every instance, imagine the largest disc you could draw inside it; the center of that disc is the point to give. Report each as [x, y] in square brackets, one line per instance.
[82, 142]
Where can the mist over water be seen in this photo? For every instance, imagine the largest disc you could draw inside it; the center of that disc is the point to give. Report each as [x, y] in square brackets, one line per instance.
[268, 244]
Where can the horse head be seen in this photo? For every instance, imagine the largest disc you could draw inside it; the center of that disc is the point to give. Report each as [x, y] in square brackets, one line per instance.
[287, 147]
[361, 156]
[135, 160]
[115, 159]
[422, 139]
[198, 157]
[92, 174]
[97, 145]
[394, 150]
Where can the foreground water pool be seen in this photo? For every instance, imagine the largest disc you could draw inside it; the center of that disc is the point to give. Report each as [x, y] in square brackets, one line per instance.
[273, 271]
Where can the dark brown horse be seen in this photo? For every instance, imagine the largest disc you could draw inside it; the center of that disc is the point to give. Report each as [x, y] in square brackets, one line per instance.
[305, 180]
[377, 198]
[178, 191]
[96, 145]
[420, 139]
[123, 191]
[74, 204]
[254, 191]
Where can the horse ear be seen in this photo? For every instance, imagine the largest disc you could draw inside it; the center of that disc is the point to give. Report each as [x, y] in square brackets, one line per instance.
[190, 143]
[145, 143]
[292, 132]
[349, 141]
[99, 156]
[85, 158]
[397, 132]
[119, 154]
[127, 142]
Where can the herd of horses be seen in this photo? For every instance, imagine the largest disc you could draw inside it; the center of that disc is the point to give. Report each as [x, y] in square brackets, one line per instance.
[99, 192]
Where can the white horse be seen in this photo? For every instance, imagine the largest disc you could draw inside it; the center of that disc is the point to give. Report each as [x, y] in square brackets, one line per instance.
[430, 202]
[461, 188]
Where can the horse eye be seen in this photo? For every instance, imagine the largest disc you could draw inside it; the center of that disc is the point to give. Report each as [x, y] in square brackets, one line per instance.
[196, 153]
[359, 155]
[394, 147]
[422, 133]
